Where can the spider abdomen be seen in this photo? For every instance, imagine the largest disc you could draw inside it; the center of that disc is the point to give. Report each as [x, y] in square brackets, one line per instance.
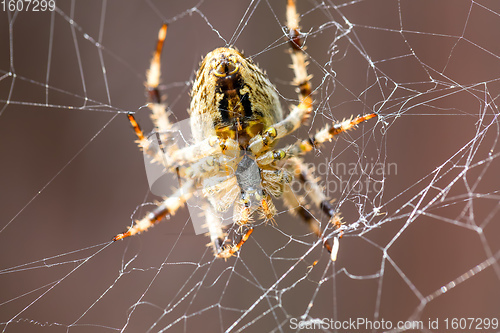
[232, 98]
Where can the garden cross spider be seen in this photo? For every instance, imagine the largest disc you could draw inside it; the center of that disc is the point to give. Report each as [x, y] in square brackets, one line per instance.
[236, 120]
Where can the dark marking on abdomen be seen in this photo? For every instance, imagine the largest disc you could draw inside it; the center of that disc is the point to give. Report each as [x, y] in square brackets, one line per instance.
[247, 105]
[224, 112]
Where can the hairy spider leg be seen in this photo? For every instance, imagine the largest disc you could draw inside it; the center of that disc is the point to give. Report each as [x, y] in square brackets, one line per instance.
[301, 147]
[159, 114]
[299, 113]
[316, 195]
[230, 250]
[296, 205]
[167, 208]
[214, 226]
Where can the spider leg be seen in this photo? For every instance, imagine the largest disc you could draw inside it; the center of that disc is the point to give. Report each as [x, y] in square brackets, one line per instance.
[329, 131]
[167, 208]
[296, 207]
[210, 166]
[322, 202]
[208, 147]
[215, 231]
[230, 250]
[159, 115]
[300, 112]
[301, 147]
[315, 193]
[299, 60]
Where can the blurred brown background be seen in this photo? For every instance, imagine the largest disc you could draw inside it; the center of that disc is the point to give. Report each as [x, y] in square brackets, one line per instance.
[72, 177]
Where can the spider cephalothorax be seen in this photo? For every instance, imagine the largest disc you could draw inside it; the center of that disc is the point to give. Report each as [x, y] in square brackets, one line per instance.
[236, 121]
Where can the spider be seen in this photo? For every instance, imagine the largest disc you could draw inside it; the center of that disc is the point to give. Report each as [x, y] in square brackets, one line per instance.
[236, 120]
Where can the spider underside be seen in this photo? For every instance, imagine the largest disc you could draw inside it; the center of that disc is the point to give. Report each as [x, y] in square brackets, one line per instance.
[236, 120]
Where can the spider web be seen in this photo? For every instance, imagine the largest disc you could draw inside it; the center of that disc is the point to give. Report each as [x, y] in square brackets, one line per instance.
[418, 188]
